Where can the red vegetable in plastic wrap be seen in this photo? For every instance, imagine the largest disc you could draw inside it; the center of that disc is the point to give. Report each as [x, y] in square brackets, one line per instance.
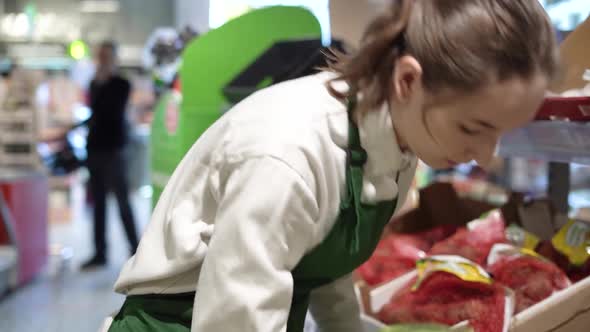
[532, 279]
[475, 243]
[446, 299]
[394, 256]
[397, 254]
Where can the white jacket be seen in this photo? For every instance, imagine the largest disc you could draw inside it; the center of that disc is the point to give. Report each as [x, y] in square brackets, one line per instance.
[260, 189]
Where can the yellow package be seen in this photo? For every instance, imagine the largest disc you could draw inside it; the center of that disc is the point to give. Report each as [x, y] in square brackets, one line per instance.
[459, 266]
[573, 240]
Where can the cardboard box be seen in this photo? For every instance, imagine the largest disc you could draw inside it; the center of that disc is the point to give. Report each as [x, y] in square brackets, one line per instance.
[564, 311]
[439, 204]
[575, 56]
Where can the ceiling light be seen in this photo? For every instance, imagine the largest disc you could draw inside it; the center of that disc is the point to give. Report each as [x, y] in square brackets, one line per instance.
[99, 6]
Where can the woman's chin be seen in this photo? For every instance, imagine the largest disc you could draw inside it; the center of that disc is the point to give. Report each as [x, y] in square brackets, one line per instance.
[439, 163]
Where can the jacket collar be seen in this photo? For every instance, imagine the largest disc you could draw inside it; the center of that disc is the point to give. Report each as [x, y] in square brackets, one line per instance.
[379, 139]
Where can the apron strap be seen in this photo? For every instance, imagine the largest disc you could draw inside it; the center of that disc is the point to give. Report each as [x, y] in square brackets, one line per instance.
[356, 157]
[355, 160]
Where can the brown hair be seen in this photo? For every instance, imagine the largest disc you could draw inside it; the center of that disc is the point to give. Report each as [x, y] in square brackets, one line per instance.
[461, 45]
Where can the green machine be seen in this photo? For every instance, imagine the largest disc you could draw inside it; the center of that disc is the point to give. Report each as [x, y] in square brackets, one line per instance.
[209, 63]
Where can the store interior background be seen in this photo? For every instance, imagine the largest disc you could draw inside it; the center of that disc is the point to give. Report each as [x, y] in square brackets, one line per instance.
[50, 43]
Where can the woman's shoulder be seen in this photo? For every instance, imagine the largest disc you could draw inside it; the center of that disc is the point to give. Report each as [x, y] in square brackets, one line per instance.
[295, 122]
[288, 106]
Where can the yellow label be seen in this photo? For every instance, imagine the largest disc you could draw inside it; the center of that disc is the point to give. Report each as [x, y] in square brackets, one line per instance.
[521, 238]
[530, 252]
[573, 240]
[458, 266]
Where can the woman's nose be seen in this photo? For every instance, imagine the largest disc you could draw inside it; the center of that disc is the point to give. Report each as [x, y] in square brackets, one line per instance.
[484, 155]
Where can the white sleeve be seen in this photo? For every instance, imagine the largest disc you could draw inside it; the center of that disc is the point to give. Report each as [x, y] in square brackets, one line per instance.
[264, 226]
[335, 308]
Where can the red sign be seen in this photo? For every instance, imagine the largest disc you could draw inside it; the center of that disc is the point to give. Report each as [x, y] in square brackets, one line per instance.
[565, 108]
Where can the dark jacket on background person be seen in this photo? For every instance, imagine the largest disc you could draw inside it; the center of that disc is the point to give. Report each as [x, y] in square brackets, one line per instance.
[107, 126]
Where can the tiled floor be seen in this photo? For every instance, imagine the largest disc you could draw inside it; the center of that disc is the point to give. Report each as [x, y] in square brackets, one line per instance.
[64, 299]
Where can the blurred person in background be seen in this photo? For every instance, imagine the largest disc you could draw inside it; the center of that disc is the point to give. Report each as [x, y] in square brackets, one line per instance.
[108, 133]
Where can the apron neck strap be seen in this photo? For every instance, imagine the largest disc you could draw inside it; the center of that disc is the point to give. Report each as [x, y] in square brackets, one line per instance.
[357, 156]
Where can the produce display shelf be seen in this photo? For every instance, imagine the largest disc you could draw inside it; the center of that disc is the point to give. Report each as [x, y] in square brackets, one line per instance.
[559, 135]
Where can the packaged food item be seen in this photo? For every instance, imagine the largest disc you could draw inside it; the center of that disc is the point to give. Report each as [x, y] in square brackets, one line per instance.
[570, 249]
[573, 241]
[531, 277]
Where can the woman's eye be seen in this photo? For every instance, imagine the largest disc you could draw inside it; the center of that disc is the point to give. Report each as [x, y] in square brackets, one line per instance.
[468, 131]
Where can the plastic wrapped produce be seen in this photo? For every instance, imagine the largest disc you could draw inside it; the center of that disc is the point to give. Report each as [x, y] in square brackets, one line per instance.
[397, 254]
[476, 240]
[531, 277]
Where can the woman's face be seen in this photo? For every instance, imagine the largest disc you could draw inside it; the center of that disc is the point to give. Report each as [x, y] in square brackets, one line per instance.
[447, 130]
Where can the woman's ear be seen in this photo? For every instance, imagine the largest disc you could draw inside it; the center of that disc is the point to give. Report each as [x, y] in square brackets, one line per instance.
[407, 78]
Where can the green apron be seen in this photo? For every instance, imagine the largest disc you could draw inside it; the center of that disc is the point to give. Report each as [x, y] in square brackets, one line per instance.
[350, 243]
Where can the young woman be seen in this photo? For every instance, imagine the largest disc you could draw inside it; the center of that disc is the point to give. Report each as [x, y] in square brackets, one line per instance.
[280, 200]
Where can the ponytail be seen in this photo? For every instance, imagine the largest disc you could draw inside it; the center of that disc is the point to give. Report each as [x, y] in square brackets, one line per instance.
[368, 71]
